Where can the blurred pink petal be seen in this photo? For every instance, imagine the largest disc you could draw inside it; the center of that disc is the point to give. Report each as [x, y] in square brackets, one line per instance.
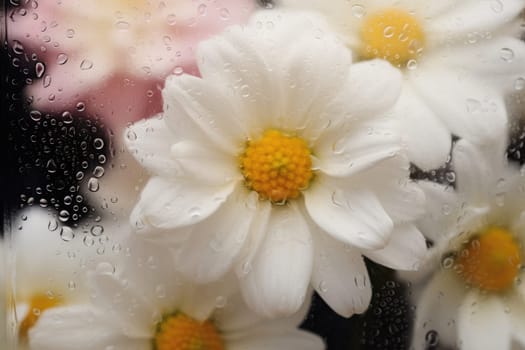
[111, 56]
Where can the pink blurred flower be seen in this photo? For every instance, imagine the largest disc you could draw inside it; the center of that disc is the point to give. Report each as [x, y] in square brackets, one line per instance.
[110, 57]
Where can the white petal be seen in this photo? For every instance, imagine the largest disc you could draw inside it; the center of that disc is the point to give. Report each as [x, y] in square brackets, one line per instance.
[280, 273]
[214, 243]
[442, 210]
[149, 141]
[405, 250]
[235, 62]
[427, 139]
[204, 163]
[371, 97]
[437, 309]
[194, 102]
[200, 301]
[285, 340]
[340, 276]
[169, 204]
[475, 176]
[342, 151]
[125, 304]
[352, 216]
[500, 60]
[474, 16]
[483, 323]
[469, 108]
[516, 308]
[312, 80]
[80, 327]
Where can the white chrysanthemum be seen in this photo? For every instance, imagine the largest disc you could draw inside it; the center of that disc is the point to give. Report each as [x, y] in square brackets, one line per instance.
[49, 262]
[458, 59]
[474, 298]
[147, 307]
[285, 169]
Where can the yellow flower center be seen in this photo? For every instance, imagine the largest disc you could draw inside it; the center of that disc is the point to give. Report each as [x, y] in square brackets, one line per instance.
[392, 34]
[277, 166]
[38, 304]
[490, 261]
[181, 332]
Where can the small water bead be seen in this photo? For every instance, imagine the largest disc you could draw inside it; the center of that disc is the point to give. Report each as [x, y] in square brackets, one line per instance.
[507, 54]
[62, 58]
[97, 230]
[93, 184]
[67, 234]
[86, 65]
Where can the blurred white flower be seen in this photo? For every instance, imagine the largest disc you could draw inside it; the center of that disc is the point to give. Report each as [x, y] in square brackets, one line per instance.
[458, 58]
[471, 294]
[146, 306]
[287, 170]
[48, 263]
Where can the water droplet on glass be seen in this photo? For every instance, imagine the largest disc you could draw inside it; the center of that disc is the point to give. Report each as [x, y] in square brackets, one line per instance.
[97, 230]
[62, 58]
[86, 65]
[35, 115]
[220, 301]
[52, 225]
[98, 171]
[506, 54]
[93, 184]
[40, 68]
[519, 84]
[358, 11]
[432, 338]
[224, 13]
[105, 268]
[388, 32]
[496, 6]
[67, 234]
[447, 262]
[98, 143]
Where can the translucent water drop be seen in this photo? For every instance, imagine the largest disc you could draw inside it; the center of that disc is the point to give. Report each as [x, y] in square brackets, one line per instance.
[40, 68]
[507, 54]
[62, 58]
[432, 338]
[86, 65]
[93, 184]
[98, 171]
[52, 225]
[358, 11]
[97, 230]
[67, 234]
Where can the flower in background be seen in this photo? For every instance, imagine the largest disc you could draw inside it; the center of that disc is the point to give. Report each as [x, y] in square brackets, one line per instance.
[51, 260]
[147, 306]
[458, 58]
[286, 170]
[474, 297]
[109, 57]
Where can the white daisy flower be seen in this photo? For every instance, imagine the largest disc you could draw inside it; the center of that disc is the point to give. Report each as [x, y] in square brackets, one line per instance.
[48, 264]
[474, 298]
[287, 170]
[146, 307]
[458, 59]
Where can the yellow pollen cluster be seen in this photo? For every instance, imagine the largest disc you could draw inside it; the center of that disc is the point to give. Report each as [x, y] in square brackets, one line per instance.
[277, 166]
[38, 304]
[394, 35]
[490, 261]
[181, 332]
